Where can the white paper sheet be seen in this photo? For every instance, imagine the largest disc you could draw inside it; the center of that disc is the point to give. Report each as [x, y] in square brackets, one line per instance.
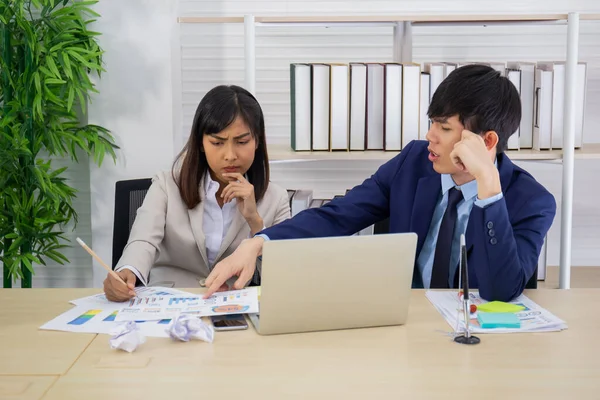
[100, 300]
[96, 314]
[164, 307]
[533, 318]
[89, 319]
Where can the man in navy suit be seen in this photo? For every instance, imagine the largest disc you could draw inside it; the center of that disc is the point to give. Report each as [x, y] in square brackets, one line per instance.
[458, 181]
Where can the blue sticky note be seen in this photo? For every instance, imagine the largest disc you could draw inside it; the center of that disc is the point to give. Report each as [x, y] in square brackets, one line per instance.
[498, 320]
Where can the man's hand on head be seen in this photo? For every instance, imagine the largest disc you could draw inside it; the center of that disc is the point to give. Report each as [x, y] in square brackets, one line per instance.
[472, 155]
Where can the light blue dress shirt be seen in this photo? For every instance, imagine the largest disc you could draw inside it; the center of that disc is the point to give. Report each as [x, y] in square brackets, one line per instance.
[464, 207]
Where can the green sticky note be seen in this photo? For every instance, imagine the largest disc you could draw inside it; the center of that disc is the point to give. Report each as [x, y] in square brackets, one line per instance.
[499, 307]
[498, 320]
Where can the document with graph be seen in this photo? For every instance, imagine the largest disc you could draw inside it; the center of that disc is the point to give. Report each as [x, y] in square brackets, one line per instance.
[157, 307]
[99, 300]
[90, 319]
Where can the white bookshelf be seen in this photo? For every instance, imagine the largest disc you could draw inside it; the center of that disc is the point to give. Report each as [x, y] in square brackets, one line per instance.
[416, 19]
[402, 49]
[284, 152]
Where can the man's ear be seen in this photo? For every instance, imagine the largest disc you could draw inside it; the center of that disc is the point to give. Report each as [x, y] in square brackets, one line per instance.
[491, 139]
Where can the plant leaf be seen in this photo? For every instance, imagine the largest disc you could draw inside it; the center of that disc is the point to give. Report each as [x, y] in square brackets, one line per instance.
[67, 61]
[27, 264]
[38, 85]
[52, 66]
[82, 102]
[54, 81]
[71, 98]
[56, 256]
[37, 105]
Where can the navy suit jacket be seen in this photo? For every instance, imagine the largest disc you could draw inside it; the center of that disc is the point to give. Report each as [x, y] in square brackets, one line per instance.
[503, 240]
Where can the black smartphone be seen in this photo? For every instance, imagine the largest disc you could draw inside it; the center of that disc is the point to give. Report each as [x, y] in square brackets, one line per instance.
[229, 322]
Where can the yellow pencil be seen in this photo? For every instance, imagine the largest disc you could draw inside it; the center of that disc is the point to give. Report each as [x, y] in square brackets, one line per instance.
[106, 267]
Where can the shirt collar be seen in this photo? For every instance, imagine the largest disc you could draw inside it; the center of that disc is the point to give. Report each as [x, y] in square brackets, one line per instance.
[210, 186]
[469, 189]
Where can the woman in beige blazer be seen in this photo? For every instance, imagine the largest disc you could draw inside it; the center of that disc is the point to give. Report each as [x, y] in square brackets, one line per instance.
[217, 194]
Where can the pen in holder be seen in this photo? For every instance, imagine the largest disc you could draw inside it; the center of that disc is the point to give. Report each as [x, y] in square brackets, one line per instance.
[467, 338]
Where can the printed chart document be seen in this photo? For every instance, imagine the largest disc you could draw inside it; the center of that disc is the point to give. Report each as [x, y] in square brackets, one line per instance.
[141, 291]
[533, 318]
[96, 314]
[164, 307]
[152, 310]
[90, 319]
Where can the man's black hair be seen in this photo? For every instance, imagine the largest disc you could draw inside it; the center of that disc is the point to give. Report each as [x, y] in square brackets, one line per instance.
[483, 100]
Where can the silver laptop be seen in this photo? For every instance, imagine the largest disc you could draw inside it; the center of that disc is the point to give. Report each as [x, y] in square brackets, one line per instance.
[335, 283]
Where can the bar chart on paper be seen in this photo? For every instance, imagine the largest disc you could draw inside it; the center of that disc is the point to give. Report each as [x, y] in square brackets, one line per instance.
[111, 317]
[152, 300]
[154, 308]
[82, 319]
[96, 314]
[85, 317]
[99, 300]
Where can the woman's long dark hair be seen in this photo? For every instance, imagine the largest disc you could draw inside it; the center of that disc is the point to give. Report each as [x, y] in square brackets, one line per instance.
[216, 111]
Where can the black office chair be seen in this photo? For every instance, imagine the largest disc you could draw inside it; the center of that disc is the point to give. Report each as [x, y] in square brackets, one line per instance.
[383, 227]
[129, 196]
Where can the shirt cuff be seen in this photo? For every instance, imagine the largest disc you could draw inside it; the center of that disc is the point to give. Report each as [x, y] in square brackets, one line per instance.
[256, 234]
[262, 235]
[135, 271]
[490, 200]
[265, 237]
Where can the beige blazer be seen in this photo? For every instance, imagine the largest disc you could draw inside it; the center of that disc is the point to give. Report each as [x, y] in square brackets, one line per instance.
[167, 244]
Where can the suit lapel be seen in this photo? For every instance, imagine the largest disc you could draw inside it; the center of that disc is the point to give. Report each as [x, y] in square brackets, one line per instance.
[237, 222]
[469, 234]
[426, 198]
[196, 217]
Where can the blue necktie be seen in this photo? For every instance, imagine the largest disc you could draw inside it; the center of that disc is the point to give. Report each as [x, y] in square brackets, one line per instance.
[443, 248]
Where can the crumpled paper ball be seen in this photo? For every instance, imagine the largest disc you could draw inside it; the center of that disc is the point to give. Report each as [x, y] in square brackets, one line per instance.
[126, 337]
[185, 327]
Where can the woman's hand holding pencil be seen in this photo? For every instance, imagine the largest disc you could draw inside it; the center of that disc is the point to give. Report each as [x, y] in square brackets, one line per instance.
[115, 290]
[118, 286]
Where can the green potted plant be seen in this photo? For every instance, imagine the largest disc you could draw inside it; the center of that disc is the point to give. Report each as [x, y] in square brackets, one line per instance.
[47, 54]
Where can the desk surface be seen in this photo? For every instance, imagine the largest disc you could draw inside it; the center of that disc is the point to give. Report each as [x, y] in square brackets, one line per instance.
[25, 387]
[26, 350]
[416, 360]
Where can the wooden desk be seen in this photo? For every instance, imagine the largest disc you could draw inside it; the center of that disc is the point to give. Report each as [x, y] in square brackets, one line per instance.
[26, 350]
[411, 361]
[25, 387]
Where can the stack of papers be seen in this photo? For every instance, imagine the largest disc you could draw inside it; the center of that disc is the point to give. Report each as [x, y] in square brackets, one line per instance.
[156, 307]
[151, 309]
[533, 317]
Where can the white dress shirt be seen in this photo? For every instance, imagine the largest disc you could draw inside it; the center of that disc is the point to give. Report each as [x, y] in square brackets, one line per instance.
[215, 220]
[215, 224]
